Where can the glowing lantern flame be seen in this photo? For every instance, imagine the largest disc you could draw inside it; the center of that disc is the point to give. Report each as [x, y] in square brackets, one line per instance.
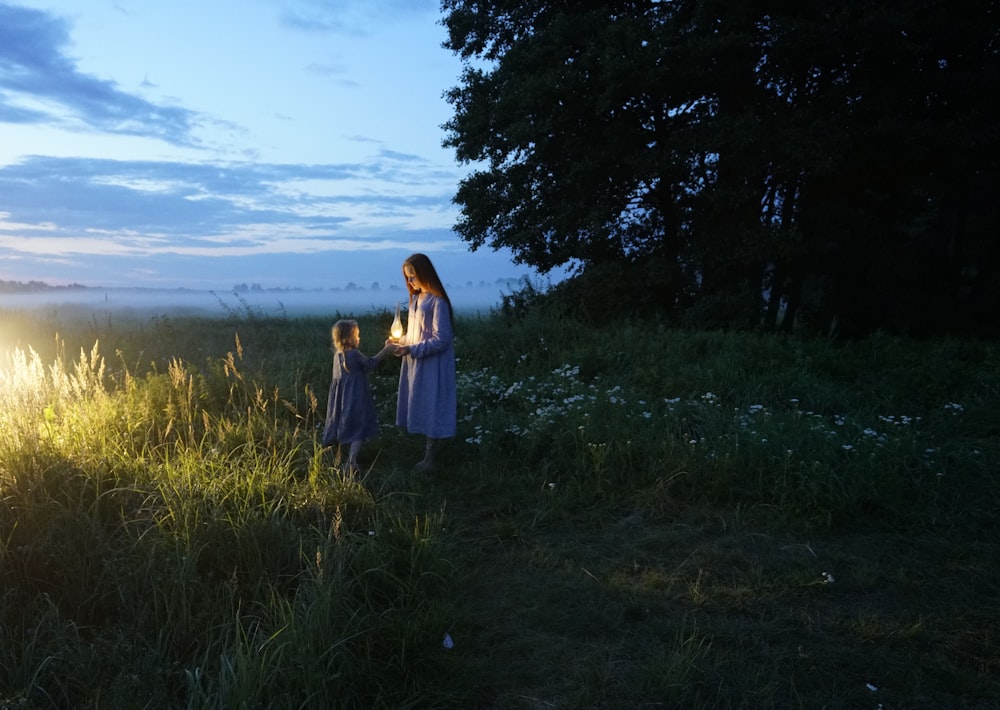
[396, 332]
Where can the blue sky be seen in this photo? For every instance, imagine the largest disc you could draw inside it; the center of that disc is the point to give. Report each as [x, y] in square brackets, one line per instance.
[174, 143]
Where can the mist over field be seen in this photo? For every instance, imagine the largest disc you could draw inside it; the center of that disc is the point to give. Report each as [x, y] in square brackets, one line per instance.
[263, 302]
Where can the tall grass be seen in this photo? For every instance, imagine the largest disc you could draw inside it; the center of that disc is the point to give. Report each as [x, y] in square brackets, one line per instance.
[179, 539]
[630, 516]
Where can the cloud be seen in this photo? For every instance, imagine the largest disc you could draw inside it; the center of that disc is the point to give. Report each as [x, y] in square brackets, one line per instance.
[74, 205]
[352, 17]
[39, 83]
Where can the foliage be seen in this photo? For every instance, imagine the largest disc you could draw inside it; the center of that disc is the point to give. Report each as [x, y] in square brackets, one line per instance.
[631, 515]
[807, 163]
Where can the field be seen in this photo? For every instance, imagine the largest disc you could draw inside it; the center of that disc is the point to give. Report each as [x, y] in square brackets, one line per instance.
[630, 517]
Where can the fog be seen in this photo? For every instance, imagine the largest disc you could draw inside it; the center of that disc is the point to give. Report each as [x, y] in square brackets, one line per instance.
[57, 302]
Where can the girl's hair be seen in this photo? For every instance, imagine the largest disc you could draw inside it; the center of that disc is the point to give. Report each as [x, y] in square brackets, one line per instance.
[345, 334]
[428, 276]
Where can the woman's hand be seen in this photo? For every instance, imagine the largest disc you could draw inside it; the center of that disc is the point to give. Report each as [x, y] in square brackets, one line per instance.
[394, 348]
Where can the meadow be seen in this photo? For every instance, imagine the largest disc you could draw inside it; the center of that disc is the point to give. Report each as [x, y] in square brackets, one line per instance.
[632, 516]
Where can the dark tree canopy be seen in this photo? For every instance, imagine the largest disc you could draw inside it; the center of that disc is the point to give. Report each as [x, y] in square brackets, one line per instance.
[761, 163]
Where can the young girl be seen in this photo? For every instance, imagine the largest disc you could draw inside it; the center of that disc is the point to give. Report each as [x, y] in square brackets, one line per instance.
[350, 407]
[428, 398]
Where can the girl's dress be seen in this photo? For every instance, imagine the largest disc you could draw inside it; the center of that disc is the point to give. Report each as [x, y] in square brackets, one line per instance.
[428, 396]
[350, 407]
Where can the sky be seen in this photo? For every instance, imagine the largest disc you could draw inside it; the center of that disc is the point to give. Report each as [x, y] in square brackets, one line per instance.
[182, 144]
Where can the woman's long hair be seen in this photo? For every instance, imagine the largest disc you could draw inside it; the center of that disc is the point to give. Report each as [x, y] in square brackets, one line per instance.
[428, 276]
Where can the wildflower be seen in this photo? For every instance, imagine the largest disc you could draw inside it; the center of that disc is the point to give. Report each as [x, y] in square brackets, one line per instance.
[827, 578]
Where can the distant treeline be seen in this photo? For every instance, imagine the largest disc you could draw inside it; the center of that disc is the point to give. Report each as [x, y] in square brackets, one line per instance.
[375, 286]
[35, 286]
[41, 286]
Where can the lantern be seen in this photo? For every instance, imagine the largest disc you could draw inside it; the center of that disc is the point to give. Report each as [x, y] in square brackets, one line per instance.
[396, 331]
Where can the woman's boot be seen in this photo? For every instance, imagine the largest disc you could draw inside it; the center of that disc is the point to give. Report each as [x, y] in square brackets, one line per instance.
[429, 461]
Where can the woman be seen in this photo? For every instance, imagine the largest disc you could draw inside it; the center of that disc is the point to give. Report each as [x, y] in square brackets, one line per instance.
[428, 400]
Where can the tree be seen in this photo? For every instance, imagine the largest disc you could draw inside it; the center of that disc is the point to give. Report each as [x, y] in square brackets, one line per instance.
[745, 160]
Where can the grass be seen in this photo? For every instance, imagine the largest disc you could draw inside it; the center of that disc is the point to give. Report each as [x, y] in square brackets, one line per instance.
[634, 517]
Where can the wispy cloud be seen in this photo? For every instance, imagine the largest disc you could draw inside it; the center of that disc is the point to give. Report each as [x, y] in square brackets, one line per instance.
[351, 17]
[134, 205]
[40, 83]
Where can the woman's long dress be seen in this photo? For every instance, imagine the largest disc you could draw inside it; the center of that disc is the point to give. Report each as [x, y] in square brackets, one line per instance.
[350, 406]
[428, 399]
